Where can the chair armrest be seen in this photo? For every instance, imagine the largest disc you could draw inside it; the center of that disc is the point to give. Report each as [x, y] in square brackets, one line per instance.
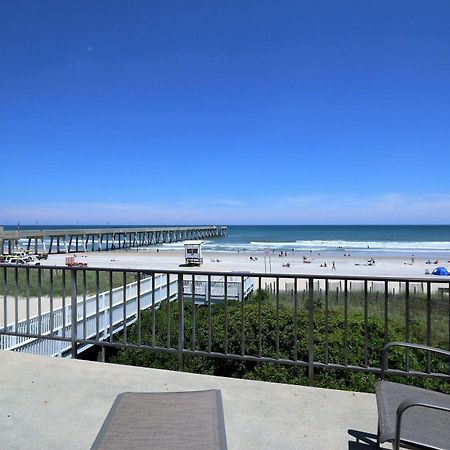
[384, 354]
[406, 404]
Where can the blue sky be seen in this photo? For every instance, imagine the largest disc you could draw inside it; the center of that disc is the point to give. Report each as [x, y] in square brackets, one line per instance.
[238, 112]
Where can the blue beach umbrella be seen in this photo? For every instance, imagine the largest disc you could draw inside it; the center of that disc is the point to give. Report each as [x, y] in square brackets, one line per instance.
[440, 271]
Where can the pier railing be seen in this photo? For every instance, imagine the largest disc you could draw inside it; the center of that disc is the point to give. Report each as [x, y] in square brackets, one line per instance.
[314, 322]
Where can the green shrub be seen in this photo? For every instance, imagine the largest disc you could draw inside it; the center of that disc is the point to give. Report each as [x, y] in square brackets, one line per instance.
[262, 316]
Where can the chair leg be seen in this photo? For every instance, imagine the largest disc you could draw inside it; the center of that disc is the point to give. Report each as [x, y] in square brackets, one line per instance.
[378, 436]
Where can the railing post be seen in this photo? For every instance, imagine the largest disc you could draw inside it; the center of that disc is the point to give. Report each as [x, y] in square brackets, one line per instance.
[73, 306]
[311, 331]
[180, 322]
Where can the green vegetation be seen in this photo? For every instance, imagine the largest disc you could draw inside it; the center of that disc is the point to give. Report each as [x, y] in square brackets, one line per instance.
[330, 333]
[413, 330]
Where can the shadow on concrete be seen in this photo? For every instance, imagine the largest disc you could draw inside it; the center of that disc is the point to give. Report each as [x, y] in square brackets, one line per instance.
[364, 441]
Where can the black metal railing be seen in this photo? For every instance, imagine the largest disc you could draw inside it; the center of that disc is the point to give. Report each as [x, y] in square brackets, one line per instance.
[315, 322]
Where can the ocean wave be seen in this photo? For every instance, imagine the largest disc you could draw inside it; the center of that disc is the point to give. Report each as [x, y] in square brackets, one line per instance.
[379, 245]
[348, 245]
[309, 245]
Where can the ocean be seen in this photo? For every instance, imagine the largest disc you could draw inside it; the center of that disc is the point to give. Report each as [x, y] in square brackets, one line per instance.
[365, 239]
[386, 239]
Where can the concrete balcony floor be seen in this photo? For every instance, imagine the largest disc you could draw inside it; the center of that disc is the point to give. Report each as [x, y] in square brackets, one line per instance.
[50, 403]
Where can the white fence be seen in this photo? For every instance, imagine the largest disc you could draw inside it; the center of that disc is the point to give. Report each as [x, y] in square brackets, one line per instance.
[216, 288]
[92, 320]
[98, 317]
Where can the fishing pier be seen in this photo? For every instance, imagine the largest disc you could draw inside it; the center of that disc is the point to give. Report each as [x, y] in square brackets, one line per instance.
[100, 239]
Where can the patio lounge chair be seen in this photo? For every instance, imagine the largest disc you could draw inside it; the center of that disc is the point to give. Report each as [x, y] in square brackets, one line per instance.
[409, 416]
[164, 420]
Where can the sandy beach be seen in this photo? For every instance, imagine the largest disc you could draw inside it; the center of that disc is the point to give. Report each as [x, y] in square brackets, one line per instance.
[257, 262]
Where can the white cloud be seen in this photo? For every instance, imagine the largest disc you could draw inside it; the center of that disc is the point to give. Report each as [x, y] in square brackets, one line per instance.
[394, 208]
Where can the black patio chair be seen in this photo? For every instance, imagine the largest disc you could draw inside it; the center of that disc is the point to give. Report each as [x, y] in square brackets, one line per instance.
[409, 416]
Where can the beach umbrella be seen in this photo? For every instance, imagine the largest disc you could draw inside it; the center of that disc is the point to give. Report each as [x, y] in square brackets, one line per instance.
[440, 271]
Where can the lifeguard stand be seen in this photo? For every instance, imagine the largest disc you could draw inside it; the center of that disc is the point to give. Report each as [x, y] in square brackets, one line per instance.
[193, 252]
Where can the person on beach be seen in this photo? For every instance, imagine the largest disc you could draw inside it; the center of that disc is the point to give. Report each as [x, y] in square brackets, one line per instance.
[333, 267]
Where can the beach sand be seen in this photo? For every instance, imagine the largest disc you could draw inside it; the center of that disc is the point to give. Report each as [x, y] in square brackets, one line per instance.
[354, 265]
